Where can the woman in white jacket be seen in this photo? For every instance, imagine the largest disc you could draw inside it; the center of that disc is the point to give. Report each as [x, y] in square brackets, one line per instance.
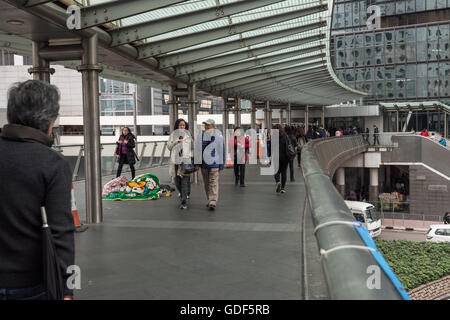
[180, 145]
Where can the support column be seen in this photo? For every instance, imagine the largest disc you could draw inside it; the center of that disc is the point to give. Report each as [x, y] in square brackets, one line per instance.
[253, 116]
[225, 116]
[322, 116]
[281, 116]
[192, 108]
[173, 109]
[289, 114]
[91, 120]
[237, 113]
[41, 68]
[373, 188]
[306, 117]
[268, 116]
[397, 129]
[445, 125]
[340, 181]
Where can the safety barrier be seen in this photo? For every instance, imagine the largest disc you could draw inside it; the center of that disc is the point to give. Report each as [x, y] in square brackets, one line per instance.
[352, 266]
[151, 154]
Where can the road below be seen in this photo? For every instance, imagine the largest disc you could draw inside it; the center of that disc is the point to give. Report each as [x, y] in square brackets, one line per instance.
[402, 235]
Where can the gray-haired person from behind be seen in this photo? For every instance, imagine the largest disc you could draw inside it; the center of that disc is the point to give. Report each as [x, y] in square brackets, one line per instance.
[32, 175]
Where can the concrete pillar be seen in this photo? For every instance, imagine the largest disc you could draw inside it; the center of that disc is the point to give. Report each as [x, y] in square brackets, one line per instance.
[237, 113]
[253, 116]
[322, 117]
[306, 117]
[225, 117]
[192, 108]
[91, 121]
[388, 176]
[173, 107]
[281, 116]
[373, 188]
[397, 129]
[41, 68]
[267, 116]
[340, 181]
[445, 125]
[289, 115]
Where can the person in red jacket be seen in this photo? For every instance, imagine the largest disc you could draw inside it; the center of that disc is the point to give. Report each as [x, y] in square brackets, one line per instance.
[239, 147]
[425, 133]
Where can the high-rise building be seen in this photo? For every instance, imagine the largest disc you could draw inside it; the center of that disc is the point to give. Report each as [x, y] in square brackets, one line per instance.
[401, 58]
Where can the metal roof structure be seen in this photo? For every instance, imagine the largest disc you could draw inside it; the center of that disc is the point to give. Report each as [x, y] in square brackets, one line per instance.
[415, 105]
[265, 50]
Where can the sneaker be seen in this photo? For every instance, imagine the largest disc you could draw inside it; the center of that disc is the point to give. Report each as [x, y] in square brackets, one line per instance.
[283, 191]
[183, 207]
[243, 185]
[212, 207]
[278, 187]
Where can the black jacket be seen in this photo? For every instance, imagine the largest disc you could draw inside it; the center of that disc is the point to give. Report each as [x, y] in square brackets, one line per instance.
[32, 175]
[131, 155]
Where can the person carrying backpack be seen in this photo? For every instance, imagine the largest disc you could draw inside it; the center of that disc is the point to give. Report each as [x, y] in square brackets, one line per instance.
[286, 151]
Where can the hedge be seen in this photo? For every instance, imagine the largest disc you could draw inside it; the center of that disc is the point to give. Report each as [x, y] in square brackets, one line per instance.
[416, 263]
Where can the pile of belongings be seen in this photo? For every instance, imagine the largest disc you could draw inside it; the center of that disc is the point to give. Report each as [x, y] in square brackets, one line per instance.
[144, 187]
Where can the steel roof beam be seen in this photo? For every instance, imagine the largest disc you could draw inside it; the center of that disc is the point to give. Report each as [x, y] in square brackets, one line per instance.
[195, 55]
[167, 24]
[265, 76]
[207, 74]
[32, 3]
[269, 81]
[255, 71]
[234, 57]
[278, 86]
[114, 10]
[192, 39]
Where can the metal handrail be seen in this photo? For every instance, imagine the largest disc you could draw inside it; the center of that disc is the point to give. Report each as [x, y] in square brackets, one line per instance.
[79, 153]
[346, 271]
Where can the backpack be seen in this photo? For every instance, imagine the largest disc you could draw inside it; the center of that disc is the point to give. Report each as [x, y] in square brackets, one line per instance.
[301, 143]
[290, 150]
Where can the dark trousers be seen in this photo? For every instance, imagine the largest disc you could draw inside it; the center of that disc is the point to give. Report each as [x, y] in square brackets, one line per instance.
[183, 186]
[123, 160]
[375, 139]
[291, 169]
[283, 172]
[239, 172]
[33, 293]
[299, 157]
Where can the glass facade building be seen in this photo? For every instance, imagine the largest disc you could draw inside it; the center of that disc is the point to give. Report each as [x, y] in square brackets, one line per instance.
[407, 59]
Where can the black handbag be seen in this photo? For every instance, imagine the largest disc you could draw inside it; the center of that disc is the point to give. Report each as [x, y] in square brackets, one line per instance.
[188, 168]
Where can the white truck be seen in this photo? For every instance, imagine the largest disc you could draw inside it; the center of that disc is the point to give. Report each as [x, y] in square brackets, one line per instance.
[365, 212]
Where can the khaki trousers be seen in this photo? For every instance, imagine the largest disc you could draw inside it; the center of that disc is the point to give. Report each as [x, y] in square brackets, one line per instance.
[211, 183]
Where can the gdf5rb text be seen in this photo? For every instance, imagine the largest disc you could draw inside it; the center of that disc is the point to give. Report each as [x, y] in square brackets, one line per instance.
[230, 309]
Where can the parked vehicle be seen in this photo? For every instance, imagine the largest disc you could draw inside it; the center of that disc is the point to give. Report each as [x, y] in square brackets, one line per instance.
[365, 212]
[439, 233]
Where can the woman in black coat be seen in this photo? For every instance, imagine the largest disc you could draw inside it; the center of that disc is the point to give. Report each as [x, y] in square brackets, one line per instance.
[125, 151]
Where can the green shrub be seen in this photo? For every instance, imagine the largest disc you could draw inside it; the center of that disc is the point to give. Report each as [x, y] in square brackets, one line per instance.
[416, 263]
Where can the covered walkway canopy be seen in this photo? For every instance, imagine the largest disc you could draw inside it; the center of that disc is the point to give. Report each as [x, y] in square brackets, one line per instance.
[265, 50]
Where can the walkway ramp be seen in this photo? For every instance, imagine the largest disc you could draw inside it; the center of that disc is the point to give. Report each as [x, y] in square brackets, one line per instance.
[249, 248]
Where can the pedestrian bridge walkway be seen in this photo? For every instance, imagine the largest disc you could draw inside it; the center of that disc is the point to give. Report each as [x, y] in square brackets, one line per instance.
[250, 247]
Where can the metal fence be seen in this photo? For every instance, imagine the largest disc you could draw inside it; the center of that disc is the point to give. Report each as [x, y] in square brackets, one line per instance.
[345, 257]
[151, 154]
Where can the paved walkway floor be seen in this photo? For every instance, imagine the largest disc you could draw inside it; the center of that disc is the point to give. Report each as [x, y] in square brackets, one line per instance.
[249, 248]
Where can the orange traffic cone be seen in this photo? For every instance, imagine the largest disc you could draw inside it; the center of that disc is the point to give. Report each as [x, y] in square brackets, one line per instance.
[78, 226]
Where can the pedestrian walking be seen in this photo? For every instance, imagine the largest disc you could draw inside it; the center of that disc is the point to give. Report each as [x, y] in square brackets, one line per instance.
[283, 160]
[375, 135]
[212, 146]
[239, 147]
[180, 144]
[33, 176]
[125, 151]
[301, 141]
[366, 136]
[293, 140]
